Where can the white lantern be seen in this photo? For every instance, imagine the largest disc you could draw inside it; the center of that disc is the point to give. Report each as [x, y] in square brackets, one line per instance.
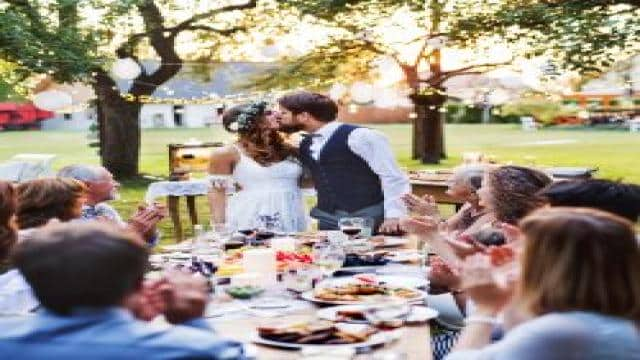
[385, 98]
[126, 68]
[437, 42]
[52, 100]
[337, 91]
[361, 92]
[270, 51]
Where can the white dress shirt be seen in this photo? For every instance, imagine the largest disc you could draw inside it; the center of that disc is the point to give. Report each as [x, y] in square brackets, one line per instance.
[373, 147]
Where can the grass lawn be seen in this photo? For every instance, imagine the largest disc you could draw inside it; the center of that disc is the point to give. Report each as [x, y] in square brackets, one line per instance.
[615, 153]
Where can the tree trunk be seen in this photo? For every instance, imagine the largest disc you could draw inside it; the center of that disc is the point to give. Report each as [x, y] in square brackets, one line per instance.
[428, 129]
[120, 129]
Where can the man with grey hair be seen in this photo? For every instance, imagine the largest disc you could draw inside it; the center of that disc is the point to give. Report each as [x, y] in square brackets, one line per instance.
[101, 188]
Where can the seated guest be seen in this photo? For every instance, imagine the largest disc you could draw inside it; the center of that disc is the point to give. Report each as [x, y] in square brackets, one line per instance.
[578, 282]
[463, 186]
[43, 200]
[17, 296]
[88, 277]
[612, 196]
[101, 188]
[8, 230]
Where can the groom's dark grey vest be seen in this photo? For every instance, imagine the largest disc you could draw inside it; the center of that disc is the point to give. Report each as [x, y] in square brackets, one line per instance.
[343, 180]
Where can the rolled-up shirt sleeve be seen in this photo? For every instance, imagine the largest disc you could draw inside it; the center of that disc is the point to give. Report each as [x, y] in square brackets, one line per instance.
[374, 148]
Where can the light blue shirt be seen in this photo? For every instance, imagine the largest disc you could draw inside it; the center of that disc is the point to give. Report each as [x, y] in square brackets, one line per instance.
[564, 336]
[109, 333]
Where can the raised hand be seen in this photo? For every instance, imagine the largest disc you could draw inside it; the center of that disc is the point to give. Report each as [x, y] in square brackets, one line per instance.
[185, 297]
[424, 206]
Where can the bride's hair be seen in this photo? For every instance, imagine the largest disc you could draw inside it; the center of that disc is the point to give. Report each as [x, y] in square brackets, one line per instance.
[262, 143]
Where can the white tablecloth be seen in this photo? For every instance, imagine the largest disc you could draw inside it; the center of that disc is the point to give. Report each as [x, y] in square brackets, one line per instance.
[177, 188]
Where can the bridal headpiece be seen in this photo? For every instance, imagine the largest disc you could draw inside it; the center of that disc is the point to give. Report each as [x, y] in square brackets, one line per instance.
[248, 116]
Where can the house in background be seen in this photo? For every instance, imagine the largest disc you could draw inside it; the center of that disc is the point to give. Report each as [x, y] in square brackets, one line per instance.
[186, 100]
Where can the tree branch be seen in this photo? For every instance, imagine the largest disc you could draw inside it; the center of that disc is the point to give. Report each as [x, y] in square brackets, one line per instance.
[467, 70]
[192, 20]
[224, 32]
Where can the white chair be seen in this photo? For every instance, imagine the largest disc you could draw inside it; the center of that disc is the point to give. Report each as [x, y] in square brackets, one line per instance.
[634, 124]
[528, 123]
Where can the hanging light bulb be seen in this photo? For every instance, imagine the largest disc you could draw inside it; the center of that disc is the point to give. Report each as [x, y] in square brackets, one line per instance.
[337, 91]
[361, 92]
[52, 100]
[126, 68]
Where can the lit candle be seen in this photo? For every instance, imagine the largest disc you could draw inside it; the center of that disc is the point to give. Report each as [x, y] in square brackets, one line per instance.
[283, 244]
[261, 261]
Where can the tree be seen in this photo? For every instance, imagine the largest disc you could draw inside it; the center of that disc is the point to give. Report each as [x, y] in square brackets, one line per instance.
[72, 46]
[582, 35]
[356, 38]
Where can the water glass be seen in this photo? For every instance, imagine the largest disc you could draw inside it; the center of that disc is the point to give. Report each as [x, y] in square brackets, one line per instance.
[329, 257]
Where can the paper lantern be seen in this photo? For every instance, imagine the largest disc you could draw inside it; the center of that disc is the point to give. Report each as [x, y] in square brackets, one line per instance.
[126, 68]
[270, 51]
[52, 100]
[337, 91]
[361, 92]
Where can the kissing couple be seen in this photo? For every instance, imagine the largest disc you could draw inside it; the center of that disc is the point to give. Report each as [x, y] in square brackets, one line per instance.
[352, 168]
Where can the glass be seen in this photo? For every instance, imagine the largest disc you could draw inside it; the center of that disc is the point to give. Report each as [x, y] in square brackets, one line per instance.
[351, 227]
[422, 245]
[298, 277]
[328, 257]
[207, 245]
[367, 227]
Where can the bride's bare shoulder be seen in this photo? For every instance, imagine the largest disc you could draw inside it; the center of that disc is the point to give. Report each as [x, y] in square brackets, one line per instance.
[223, 159]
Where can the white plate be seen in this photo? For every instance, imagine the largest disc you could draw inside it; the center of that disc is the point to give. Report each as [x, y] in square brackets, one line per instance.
[403, 256]
[183, 246]
[392, 241]
[381, 338]
[368, 300]
[412, 282]
[418, 314]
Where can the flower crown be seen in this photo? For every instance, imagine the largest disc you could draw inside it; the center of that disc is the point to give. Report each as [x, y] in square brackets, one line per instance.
[248, 116]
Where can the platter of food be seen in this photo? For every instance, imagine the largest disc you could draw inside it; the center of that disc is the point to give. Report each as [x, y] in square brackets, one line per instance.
[357, 314]
[323, 333]
[361, 293]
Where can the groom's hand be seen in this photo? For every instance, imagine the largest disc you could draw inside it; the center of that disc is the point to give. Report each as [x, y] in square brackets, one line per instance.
[390, 226]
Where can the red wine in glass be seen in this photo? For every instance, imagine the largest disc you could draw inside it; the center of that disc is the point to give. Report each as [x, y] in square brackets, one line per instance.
[351, 230]
[246, 232]
[264, 235]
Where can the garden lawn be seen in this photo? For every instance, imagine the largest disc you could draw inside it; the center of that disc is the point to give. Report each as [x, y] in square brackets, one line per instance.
[615, 153]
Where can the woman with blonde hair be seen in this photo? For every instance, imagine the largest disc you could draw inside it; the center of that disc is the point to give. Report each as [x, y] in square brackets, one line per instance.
[265, 168]
[578, 282]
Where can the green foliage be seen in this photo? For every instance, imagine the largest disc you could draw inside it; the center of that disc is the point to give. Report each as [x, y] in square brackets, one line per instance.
[458, 113]
[587, 36]
[541, 109]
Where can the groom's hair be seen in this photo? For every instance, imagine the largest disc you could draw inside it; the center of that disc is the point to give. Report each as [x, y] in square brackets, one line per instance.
[317, 105]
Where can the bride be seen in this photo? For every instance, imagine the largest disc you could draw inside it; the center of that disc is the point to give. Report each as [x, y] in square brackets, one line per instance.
[265, 169]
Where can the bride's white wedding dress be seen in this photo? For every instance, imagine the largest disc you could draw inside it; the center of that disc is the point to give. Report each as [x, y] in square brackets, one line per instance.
[269, 196]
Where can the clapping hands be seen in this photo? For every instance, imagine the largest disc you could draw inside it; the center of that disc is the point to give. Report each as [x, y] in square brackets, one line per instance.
[423, 206]
[146, 218]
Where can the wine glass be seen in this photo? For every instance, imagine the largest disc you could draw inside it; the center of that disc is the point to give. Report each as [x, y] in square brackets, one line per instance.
[351, 226]
[328, 257]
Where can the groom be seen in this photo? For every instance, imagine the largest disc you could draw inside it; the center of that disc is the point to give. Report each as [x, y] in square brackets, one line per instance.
[353, 168]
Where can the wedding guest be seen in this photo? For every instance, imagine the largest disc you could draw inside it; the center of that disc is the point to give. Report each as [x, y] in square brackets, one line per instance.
[353, 168]
[612, 196]
[463, 186]
[8, 228]
[88, 277]
[578, 283]
[102, 188]
[17, 297]
[43, 200]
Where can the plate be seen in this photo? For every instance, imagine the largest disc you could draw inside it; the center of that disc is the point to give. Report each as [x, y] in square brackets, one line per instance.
[309, 296]
[418, 314]
[393, 280]
[391, 241]
[381, 338]
[183, 246]
[404, 256]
